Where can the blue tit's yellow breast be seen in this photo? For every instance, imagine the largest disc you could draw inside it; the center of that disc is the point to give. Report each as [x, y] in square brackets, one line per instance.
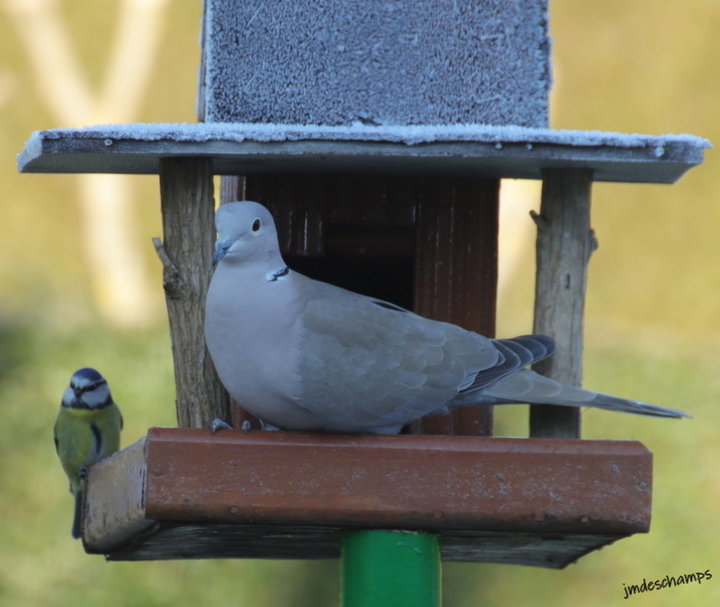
[84, 436]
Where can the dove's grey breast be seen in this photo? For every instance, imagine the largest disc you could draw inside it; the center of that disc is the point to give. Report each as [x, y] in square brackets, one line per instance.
[251, 333]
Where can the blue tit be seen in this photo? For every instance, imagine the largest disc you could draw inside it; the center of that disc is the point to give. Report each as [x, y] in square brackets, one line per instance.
[87, 429]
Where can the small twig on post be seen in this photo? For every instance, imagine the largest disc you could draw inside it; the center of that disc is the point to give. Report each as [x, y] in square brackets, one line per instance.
[537, 218]
[173, 284]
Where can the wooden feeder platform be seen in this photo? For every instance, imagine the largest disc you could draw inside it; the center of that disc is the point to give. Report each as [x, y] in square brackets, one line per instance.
[182, 494]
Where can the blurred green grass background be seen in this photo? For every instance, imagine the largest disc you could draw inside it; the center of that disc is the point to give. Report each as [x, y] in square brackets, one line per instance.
[652, 324]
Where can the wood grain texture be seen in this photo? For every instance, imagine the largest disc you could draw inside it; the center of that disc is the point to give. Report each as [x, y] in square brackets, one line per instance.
[456, 275]
[172, 541]
[115, 499]
[564, 245]
[186, 191]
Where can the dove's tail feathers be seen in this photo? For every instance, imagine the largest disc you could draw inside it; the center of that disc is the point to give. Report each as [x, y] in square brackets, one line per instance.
[538, 346]
[638, 407]
[515, 354]
[529, 387]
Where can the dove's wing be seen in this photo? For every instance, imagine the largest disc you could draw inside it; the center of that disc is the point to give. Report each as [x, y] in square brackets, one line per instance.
[368, 364]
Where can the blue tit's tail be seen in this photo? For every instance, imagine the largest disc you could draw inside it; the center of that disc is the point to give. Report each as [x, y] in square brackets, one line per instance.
[77, 516]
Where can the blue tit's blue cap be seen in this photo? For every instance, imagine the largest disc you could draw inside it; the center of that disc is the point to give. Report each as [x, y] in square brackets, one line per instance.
[89, 374]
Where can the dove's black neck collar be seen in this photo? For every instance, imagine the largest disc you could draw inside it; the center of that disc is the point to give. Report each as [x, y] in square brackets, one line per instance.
[281, 273]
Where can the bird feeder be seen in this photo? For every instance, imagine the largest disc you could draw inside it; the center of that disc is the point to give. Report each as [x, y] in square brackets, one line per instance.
[377, 133]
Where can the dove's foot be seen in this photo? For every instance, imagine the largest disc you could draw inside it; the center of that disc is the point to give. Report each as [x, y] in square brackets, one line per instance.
[218, 424]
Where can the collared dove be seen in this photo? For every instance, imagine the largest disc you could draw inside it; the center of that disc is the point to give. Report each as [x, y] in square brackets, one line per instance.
[301, 354]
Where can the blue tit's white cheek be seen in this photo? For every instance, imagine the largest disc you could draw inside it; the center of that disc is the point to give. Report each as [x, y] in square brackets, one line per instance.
[68, 396]
[97, 397]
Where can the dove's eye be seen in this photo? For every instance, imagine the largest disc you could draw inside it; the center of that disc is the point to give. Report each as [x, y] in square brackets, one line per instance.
[256, 225]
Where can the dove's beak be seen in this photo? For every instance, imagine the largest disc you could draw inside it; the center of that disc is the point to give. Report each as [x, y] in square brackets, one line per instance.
[221, 249]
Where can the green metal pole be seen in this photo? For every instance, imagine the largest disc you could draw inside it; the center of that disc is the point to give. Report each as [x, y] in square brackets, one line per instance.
[393, 568]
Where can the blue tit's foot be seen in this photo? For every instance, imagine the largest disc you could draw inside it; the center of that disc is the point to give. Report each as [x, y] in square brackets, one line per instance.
[218, 424]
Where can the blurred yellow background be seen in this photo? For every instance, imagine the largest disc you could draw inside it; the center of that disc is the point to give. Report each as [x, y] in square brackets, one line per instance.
[652, 313]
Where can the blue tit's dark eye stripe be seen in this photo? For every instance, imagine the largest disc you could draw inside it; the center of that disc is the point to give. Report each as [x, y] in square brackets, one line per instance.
[90, 387]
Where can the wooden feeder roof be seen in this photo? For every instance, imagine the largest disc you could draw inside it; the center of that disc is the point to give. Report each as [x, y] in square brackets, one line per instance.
[453, 151]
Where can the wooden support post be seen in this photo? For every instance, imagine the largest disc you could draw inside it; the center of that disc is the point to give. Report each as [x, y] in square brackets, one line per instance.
[186, 191]
[564, 245]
